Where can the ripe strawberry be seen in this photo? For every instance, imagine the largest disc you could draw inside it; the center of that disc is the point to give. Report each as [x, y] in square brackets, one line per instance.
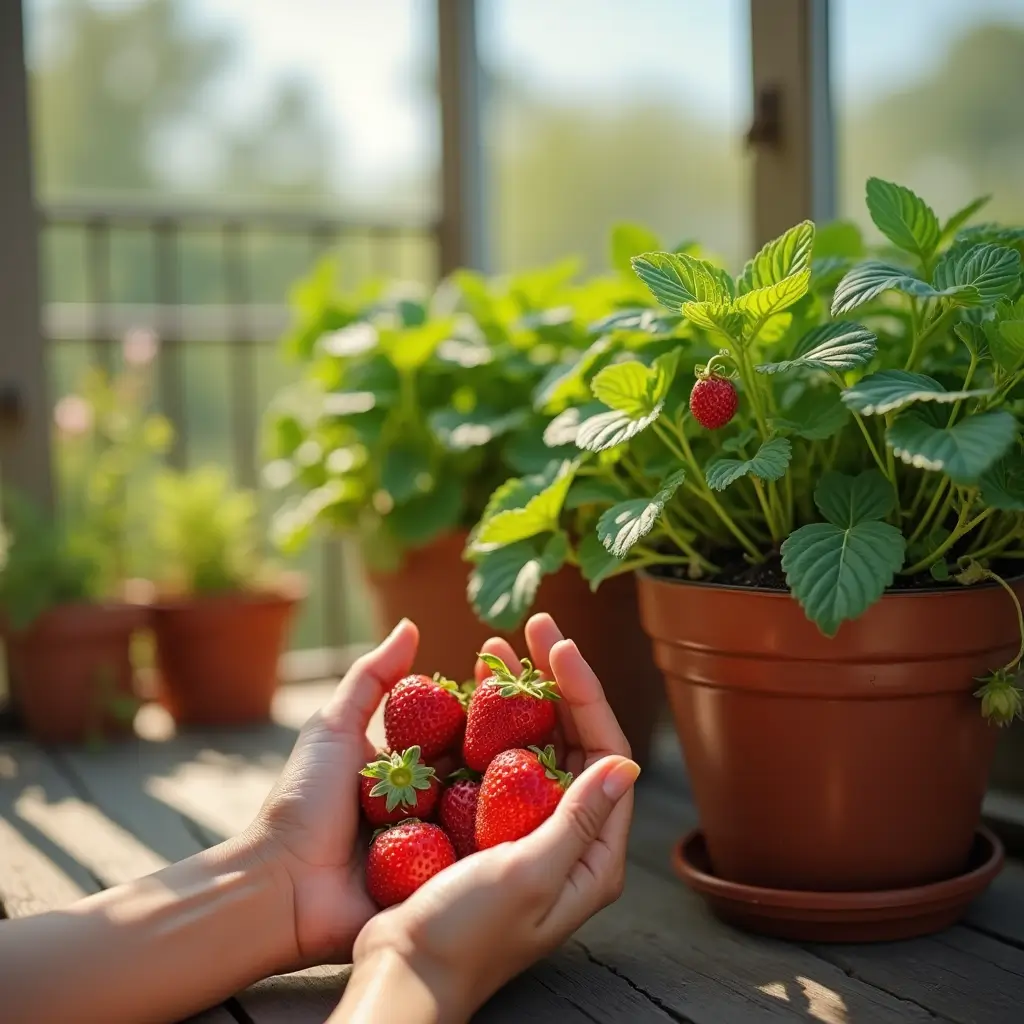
[507, 711]
[713, 402]
[429, 713]
[521, 788]
[398, 786]
[457, 812]
[403, 857]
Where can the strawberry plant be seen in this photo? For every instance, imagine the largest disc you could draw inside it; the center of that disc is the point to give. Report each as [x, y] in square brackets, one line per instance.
[835, 421]
[414, 406]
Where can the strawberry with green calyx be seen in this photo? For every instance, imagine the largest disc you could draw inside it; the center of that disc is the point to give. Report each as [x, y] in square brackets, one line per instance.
[430, 713]
[1001, 698]
[403, 857]
[713, 400]
[457, 810]
[520, 790]
[508, 711]
[397, 786]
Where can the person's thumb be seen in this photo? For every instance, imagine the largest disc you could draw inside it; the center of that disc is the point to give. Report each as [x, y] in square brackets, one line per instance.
[582, 812]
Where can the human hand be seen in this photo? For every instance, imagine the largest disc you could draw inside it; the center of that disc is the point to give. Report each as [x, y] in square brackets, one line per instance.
[482, 921]
[308, 826]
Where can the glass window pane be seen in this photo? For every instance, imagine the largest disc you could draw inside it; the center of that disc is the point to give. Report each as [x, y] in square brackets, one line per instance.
[928, 94]
[600, 111]
[246, 99]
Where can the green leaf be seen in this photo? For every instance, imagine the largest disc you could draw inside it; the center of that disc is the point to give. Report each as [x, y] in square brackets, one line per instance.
[640, 390]
[596, 562]
[428, 516]
[838, 345]
[460, 431]
[769, 463]
[539, 515]
[409, 349]
[778, 275]
[592, 491]
[627, 523]
[629, 240]
[961, 217]
[978, 275]
[1002, 484]
[503, 584]
[567, 383]
[973, 336]
[903, 217]
[565, 426]
[740, 441]
[1006, 342]
[869, 279]
[839, 568]
[634, 388]
[815, 415]
[839, 239]
[404, 473]
[844, 500]
[676, 278]
[889, 390]
[786, 255]
[964, 451]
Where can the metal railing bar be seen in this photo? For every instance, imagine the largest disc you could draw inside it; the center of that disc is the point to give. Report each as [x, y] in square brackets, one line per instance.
[291, 221]
[171, 364]
[97, 276]
[243, 370]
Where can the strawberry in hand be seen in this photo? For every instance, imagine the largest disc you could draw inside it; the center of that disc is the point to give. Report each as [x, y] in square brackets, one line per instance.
[521, 788]
[402, 858]
[508, 711]
[429, 713]
[457, 812]
[398, 786]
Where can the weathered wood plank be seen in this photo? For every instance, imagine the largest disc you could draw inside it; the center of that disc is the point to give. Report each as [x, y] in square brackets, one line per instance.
[1000, 911]
[969, 978]
[36, 874]
[306, 997]
[55, 848]
[662, 939]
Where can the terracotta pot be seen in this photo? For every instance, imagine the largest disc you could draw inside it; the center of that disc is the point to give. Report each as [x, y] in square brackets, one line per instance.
[69, 668]
[844, 764]
[430, 589]
[217, 656]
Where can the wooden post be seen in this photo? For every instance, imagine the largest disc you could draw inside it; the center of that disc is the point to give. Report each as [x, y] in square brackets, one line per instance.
[792, 133]
[24, 398]
[461, 232]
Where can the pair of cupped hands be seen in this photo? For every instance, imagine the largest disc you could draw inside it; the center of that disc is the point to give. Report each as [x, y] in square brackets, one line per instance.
[476, 925]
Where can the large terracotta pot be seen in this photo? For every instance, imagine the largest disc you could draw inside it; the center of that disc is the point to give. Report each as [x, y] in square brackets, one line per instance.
[217, 656]
[71, 672]
[852, 763]
[430, 589]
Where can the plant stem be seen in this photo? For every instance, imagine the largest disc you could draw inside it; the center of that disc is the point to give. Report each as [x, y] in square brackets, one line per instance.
[890, 460]
[708, 495]
[766, 508]
[920, 338]
[685, 546]
[995, 548]
[923, 522]
[960, 531]
[871, 445]
[1011, 665]
[967, 383]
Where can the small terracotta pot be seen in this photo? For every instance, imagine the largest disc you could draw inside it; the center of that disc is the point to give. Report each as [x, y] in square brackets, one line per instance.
[430, 589]
[855, 763]
[68, 668]
[217, 656]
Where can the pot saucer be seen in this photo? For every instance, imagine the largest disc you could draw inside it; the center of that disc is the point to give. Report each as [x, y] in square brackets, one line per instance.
[801, 916]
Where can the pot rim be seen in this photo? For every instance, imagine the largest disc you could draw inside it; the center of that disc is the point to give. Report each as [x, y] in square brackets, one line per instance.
[772, 592]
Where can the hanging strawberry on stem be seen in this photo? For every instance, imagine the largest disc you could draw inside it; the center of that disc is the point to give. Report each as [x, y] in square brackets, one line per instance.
[713, 400]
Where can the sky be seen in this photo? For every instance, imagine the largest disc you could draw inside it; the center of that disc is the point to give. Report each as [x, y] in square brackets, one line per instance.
[370, 60]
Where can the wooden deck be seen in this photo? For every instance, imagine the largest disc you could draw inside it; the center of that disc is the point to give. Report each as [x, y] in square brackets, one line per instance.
[73, 822]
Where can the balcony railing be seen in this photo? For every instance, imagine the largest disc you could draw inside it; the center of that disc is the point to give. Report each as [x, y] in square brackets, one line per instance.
[212, 284]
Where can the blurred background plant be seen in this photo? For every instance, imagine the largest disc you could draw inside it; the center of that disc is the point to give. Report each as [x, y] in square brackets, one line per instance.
[205, 536]
[415, 405]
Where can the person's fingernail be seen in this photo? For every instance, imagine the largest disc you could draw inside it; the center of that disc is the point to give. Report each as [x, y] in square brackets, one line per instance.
[619, 779]
[400, 624]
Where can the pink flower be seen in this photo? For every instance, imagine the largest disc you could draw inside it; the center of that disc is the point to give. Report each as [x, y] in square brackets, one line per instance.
[139, 346]
[73, 415]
